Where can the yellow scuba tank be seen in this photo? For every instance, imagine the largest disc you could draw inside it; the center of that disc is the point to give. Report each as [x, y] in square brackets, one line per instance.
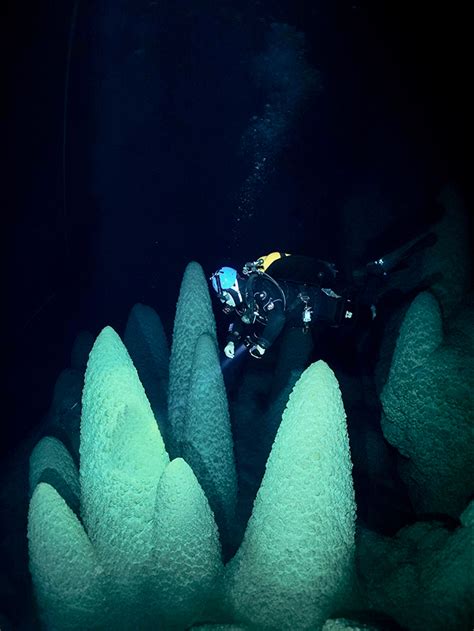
[263, 262]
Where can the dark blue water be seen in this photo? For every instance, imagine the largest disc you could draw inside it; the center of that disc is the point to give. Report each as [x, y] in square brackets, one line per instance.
[142, 135]
[183, 140]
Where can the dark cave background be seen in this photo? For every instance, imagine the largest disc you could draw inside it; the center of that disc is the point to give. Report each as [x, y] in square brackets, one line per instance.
[123, 157]
[108, 198]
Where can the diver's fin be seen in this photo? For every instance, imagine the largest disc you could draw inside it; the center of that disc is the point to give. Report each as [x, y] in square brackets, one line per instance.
[398, 258]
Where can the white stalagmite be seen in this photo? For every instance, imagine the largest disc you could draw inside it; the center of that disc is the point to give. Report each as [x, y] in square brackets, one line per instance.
[122, 459]
[208, 445]
[194, 317]
[186, 560]
[147, 345]
[428, 404]
[295, 565]
[67, 577]
[50, 461]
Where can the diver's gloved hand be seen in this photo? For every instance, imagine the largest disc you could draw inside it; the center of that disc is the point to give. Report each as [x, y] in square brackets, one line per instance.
[256, 351]
[229, 350]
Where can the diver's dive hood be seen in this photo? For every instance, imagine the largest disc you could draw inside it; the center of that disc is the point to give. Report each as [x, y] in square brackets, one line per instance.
[225, 283]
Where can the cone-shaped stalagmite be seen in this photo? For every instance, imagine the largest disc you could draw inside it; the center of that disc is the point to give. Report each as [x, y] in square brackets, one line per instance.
[207, 443]
[122, 459]
[194, 316]
[66, 574]
[294, 567]
[186, 560]
[146, 342]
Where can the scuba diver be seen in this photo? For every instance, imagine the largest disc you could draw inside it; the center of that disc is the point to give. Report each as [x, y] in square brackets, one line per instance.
[282, 289]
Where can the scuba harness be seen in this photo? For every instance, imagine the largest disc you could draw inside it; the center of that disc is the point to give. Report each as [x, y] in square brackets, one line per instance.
[252, 313]
[264, 262]
[342, 308]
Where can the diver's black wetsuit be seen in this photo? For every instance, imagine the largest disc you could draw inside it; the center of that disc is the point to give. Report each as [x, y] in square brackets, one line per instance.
[275, 298]
[304, 292]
